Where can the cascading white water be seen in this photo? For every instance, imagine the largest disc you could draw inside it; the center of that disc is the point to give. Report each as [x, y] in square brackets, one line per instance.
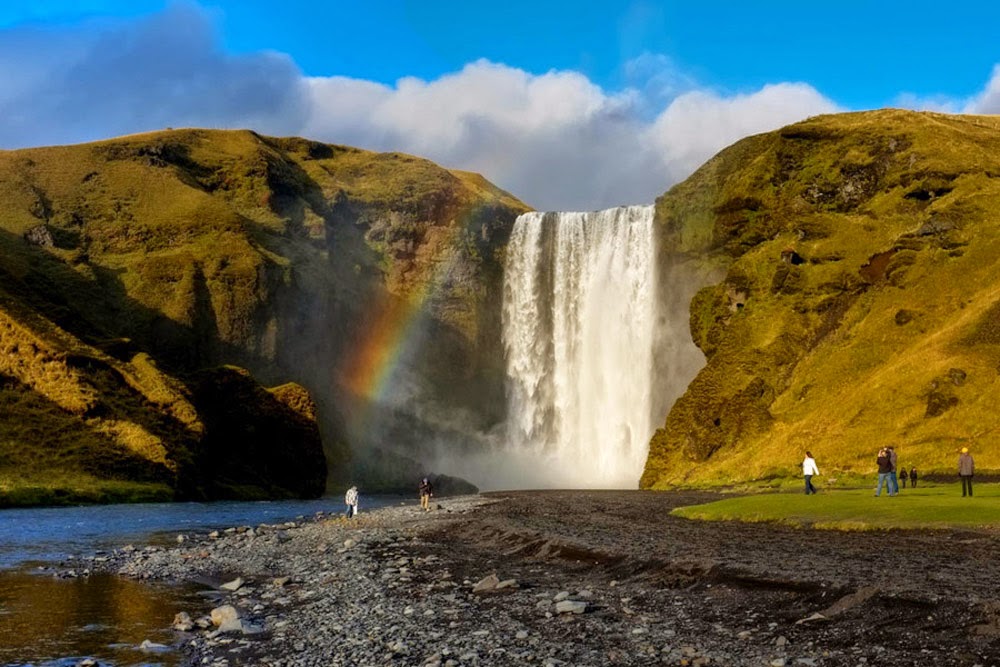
[579, 311]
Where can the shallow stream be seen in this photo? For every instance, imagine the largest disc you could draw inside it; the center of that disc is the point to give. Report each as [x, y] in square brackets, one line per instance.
[52, 622]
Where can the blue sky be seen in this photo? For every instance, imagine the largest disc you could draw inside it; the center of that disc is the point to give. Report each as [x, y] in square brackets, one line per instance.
[564, 107]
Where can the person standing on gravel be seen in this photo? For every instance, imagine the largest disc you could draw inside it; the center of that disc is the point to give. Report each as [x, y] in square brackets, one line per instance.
[966, 468]
[808, 470]
[426, 492]
[884, 467]
[351, 500]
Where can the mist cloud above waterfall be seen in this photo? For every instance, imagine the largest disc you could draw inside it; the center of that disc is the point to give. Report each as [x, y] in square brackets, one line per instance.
[555, 139]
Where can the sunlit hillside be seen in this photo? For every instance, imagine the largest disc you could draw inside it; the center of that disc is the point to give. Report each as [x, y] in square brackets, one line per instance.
[133, 270]
[860, 305]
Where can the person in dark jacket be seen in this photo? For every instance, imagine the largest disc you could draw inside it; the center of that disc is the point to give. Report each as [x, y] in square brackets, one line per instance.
[903, 477]
[426, 492]
[893, 480]
[913, 478]
[966, 469]
[884, 470]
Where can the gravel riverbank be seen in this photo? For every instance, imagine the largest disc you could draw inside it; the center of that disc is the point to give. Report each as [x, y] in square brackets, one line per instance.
[576, 578]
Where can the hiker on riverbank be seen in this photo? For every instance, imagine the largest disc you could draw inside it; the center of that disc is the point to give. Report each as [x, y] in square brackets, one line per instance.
[426, 491]
[966, 468]
[913, 478]
[884, 468]
[808, 470]
[351, 500]
[903, 477]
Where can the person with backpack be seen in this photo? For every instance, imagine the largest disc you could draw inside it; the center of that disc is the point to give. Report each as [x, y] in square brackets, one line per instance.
[426, 492]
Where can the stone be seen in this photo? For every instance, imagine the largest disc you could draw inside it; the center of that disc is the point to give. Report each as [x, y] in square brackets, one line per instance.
[521, 634]
[252, 629]
[507, 583]
[233, 585]
[180, 539]
[485, 584]
[560, 596]
[224, 613]
[778, 662]
[279, 582]
[571, 607]
[231, 625]
[780, 641]
[152, 647]
[214, 535]
[350, 544]
[182, 622]
[812, 619]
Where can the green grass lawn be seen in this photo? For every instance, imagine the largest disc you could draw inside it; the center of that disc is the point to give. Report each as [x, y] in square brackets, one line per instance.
[940, 506]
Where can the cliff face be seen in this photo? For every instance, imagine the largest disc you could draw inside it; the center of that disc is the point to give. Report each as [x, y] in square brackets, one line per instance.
[184, 250]
[860, 301]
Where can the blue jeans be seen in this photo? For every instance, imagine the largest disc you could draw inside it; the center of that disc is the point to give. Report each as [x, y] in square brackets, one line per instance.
[883, 478]
[809, 485]
[895, 482]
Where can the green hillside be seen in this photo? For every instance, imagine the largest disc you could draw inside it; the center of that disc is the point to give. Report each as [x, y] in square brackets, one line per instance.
[133, 271]
[860, 305]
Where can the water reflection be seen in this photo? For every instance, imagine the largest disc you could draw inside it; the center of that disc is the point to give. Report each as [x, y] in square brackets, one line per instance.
[58, 622]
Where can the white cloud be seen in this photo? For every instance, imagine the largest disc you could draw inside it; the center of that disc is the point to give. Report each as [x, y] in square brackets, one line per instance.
[557, 140]
[698, 124]
[988, 101]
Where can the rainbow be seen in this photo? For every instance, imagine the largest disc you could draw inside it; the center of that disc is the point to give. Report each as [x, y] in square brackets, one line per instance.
[389, 333]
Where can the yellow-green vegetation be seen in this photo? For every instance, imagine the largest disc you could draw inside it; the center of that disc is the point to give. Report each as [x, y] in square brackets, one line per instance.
[923, 507]
[129, 266]
[860, 302]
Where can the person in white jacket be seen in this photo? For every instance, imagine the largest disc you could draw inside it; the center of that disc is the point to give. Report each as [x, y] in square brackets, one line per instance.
[351, 500]
[809, 469]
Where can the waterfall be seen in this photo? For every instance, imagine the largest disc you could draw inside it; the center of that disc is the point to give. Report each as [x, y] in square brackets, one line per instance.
[579, 315]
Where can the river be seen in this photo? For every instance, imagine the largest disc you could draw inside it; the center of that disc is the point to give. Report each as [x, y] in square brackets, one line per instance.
[50, 622]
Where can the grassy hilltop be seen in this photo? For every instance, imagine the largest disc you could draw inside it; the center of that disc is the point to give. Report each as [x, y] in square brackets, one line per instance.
[860, 305]
[135, 271]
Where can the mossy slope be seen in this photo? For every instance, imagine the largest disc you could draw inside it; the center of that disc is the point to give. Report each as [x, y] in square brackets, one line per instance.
[167, 253]
[860, 305]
